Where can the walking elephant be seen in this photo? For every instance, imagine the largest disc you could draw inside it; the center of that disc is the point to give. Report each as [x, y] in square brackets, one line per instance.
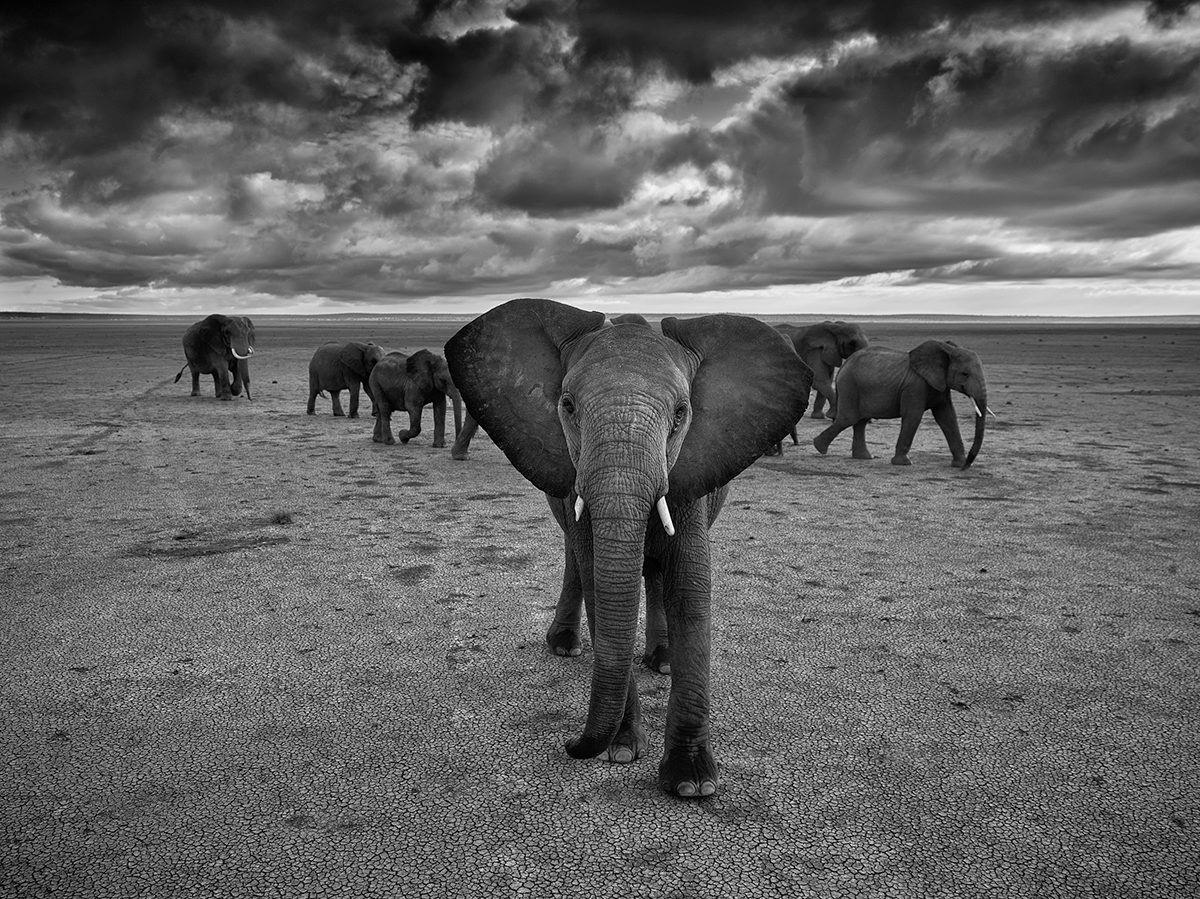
[342, 366]
[885, 383]
[636, 434]
[411, 383]
[220, 345]
[824, 347]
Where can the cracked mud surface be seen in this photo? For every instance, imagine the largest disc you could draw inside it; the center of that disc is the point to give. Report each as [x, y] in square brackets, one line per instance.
[248, 652]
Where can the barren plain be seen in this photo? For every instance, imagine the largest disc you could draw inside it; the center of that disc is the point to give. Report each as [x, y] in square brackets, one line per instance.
[248, 652]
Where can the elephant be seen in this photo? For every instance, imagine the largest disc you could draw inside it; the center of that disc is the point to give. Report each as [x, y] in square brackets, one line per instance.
[879, 382]
[411, 383]
[636, 434]
[823, 347]
[462, 443]
[342, 366]
[220, 345]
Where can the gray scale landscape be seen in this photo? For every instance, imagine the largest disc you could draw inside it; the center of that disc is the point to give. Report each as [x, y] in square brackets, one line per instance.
[248, 652]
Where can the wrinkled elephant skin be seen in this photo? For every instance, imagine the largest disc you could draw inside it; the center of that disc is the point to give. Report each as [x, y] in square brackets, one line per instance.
[634, 433]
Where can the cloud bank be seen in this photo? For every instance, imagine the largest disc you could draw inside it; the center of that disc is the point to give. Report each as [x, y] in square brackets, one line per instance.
[380, 152]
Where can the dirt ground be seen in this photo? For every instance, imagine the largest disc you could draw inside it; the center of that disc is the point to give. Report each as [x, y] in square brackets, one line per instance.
[248, 652]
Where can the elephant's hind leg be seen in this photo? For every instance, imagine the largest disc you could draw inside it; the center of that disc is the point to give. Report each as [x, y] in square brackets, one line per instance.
[658, 647]
[195, 382]
[336, 396]
[822, 440]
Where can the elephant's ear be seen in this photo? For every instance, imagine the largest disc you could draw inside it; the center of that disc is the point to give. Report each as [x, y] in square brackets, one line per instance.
[353, 356]
[507, 364]
[930, 360]
[748, 390]
[212, 331]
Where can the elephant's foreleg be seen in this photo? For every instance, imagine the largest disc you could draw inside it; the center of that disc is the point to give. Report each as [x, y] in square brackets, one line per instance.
[944, 415]
[909, 422]
[688, 767]
[354, 399]
[221, 383]
[858, 446]
[336, 397]
[439, 421]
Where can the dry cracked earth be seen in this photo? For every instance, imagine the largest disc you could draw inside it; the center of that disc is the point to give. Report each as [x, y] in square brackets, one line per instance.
[247, 652]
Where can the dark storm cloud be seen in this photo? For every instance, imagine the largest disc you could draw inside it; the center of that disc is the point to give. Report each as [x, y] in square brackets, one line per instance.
[381, 148]
[696, 37]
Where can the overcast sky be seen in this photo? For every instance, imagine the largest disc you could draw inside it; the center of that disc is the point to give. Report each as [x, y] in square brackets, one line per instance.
[965, 156]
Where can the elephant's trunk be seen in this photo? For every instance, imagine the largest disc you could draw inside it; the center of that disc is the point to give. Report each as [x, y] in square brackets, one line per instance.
[980, 400]
[618, 525]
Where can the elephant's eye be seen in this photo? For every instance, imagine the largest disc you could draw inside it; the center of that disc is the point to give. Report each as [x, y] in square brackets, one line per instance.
[680, 415]
[568, 405]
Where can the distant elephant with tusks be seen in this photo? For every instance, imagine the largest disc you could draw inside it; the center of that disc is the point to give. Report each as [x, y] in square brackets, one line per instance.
[220, 345]
[878, 382]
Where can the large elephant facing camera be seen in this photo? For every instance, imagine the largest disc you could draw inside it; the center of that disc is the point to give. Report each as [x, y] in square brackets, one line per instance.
[411, 383]
[885, 383]
[220, 345]
[638, 432]
[335, 367]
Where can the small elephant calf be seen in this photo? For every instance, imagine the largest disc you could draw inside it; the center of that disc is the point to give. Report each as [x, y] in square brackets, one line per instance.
[878, 382]
[411, 383]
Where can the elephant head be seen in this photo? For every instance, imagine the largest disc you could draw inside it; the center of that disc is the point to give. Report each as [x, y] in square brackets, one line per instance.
[360, 358]
[232, 336]
[631, 423]
[429, 373]
[944, 365]
[824, 347]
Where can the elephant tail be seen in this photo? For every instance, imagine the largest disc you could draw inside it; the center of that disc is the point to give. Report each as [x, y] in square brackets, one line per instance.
[181, 371]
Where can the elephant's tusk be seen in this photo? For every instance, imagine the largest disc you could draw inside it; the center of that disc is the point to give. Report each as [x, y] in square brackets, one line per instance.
[991, 413]
[978, 414]
[578, 507]
[237, 355]
[665, 516]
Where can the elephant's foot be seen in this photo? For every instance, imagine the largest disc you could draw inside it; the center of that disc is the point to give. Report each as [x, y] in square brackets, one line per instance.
[689, 771]
[821, 445]
[629, 745]
[861, 454]
[439, 445]
[353, 415]
[338, 413]
[958, 462]
[658, 659]
[195, 393]
[225, 397]
[563, 640]
[774, 449]
[458, 455]
[900, 459]
[816, 413]
[390, 441]
[311, 411]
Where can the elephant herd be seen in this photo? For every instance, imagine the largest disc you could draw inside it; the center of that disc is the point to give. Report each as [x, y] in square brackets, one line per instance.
[633, 434]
